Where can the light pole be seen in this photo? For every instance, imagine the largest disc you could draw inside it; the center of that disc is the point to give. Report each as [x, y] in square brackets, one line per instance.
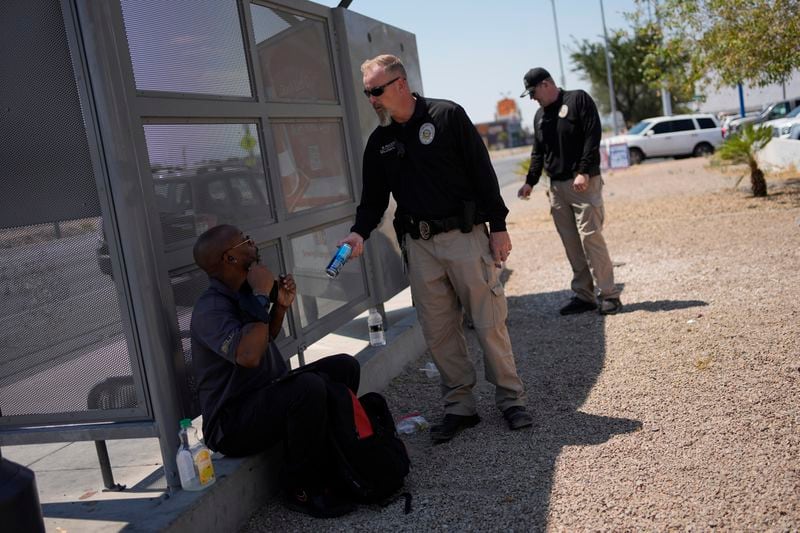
[666, 97]
[611, 94]
[558, 44]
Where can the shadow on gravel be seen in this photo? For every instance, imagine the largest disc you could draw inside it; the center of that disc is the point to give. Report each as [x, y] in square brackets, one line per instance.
[489, 478]
[559, 359]
[662, 305]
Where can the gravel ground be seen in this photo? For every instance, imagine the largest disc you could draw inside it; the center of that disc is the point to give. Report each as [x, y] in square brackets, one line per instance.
[679, 413]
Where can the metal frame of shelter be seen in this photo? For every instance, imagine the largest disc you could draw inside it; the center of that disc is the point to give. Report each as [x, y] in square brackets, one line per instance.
[116, 113]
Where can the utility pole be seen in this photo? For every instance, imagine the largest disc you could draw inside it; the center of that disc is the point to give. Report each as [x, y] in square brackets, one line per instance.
[666, 97]
[611, 94]
[558, 44]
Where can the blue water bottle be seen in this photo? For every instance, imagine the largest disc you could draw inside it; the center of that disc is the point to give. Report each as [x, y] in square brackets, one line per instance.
[338, 261]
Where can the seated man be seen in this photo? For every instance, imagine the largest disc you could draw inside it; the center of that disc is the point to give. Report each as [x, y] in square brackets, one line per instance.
[248, 398]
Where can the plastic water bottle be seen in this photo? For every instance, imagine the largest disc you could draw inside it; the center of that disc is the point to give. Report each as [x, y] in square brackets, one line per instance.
[375, 323]
[195, 468]
[338, 261]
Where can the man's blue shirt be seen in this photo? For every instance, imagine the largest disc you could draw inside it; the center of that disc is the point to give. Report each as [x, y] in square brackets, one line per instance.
[216, 330]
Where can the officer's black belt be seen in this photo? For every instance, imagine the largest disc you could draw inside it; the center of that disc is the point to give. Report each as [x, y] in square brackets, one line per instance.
[424, 229]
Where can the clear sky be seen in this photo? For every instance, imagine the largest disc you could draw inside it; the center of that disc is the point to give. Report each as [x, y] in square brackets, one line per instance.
[476, 52]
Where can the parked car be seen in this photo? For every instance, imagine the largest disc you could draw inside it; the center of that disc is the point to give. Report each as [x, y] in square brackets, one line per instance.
[771, 111]
[190, 202]
[782, 127]
[725, 122]
[673, 136]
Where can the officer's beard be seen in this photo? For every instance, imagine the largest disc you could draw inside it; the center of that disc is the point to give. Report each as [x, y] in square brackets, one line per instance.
[384, 117]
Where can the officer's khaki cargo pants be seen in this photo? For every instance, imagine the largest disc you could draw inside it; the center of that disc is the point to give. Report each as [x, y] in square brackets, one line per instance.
[578, 217]
[450, 270]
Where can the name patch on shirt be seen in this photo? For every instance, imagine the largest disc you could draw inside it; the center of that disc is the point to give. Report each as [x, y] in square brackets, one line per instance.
[386, 148]
[563, 111]
[426, 133]
[226, 344]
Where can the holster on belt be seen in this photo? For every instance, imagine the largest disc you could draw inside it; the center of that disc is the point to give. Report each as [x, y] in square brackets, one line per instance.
[468, 216]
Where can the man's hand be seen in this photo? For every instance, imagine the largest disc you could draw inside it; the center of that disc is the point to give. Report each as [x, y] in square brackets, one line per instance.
[524, 192]
[355, 241]
[500, 246]
[580, 183]
[287, 290]
[260, 278]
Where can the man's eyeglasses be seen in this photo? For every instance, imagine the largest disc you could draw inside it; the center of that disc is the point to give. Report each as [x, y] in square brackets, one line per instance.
[377, 91]
[247, 240]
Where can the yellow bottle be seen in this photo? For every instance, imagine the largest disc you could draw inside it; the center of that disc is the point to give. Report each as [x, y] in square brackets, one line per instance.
[201, 474]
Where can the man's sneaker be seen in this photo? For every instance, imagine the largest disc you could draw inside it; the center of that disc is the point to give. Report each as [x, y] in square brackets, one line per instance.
[576, 305]
[611, 306]
[517, 417]
[318, 505]
[451, 425]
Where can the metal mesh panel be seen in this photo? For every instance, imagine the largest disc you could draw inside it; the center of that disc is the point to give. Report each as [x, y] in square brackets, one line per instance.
[62, 333]
[44, 160]
[187, 46]
[204, 175]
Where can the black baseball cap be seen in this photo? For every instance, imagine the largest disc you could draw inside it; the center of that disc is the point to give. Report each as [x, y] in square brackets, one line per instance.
[534, 77]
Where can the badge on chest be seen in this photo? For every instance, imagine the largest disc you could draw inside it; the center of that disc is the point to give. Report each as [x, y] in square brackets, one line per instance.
[426, 133]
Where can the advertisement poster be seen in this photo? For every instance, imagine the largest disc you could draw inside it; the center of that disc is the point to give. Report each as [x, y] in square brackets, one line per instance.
[618, 156]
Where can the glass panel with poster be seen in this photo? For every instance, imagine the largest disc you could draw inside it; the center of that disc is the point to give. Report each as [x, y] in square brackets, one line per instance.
[294, 56]
[312, 163]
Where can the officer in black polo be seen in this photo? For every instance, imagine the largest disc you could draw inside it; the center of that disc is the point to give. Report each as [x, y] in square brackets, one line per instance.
[427, 153]
[248, 398]
[566, 144]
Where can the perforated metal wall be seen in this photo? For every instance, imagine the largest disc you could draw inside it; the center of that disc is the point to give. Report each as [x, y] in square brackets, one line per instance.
[43, 163]
[62, 338]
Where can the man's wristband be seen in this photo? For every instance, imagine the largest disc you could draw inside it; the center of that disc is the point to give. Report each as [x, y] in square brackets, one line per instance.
[263, 299]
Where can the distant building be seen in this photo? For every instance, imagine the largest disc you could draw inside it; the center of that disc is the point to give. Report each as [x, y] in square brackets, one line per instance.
[506, 129]
[726, 99]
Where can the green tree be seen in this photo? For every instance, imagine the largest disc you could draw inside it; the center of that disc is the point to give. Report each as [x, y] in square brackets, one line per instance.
[726, 41]
[636, 96]
[742, 148]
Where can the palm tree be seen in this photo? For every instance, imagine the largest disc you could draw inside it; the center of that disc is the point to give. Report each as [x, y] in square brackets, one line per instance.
[741, 148]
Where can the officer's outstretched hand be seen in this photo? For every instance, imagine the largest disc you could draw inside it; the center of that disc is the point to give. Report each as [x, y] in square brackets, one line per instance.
[524, 192]
[355, 241]
[500, 246]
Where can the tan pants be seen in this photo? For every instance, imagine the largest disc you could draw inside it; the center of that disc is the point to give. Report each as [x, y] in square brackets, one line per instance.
[450, 270]
[578, 217]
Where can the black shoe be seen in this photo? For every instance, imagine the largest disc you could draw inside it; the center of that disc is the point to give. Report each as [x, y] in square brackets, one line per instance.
[576, 305]
[318, 505]
[611, 306]
[451, 425]
[517, 417]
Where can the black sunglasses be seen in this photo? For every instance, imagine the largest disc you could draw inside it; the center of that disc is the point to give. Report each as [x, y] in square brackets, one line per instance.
[377, 91]
[247, 240]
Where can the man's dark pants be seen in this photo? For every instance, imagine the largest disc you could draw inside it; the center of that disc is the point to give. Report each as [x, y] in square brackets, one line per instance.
[293, 410]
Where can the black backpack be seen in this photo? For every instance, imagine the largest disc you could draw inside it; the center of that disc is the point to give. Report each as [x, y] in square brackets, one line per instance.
[370, 462]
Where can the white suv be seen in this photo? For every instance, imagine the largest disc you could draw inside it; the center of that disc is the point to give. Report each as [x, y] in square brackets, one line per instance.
[675, 136]
[782, 127]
